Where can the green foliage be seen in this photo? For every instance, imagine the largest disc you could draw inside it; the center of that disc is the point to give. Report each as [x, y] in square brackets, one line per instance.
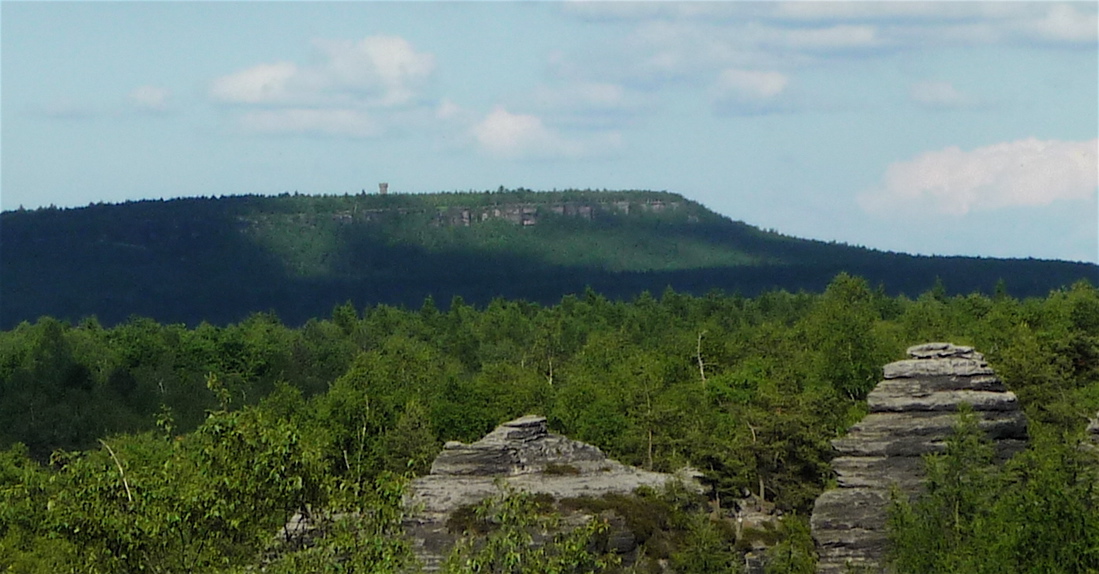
[24, 488]
[1039, 514]
[936, 534]
[561, 470]
[707, 550]
[795, 553]
[182, 447]
[671, 524]
[209, 500]
[410, 445]
[367, 537]
[510, 547]
[850, 354]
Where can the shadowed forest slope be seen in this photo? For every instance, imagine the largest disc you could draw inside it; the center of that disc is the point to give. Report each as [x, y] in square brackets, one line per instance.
[220, 259]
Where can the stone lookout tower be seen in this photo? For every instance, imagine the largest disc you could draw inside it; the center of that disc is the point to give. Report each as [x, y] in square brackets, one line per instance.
[383, 188]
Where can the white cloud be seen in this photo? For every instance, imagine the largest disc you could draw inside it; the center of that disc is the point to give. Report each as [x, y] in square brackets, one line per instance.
[332, 122]
[752, 84]
[150, 98]
[523, 136]
[587, 95]
[1022, 173]
[934, 94]
[832, 38]
[1066, 23]
[670, 43]
[509, 135]
[265, 83]
[448, 110]
[854, 11]
[626, 11]
[375, 71]
[588, 104]
[66, 109]
[663, 53]
[752, 92]
[342, 91]
[386, 64]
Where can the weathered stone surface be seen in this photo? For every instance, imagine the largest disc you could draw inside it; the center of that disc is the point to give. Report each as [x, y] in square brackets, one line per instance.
[1091, 435]
[950, 366]
[943, 401]
[880, 472]
[912, 414]
[996, 424]
[927, 385]
[942, 350]
[522, 455]
[516, 447]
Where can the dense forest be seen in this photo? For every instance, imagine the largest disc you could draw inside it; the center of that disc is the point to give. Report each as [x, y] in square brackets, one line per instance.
[221, 259]
[151, 447]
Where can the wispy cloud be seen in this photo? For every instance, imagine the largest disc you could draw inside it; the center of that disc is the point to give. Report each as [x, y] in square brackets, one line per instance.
[750, 92]
[377, 70]
[150, 98]
[939, 95]
[335, 122]
[1075, 23]
[903, 24]
[261, 84]
[669, 44]
[952, 181]
[508, 135]
[337, 94]
[588, 105]
[66, 109]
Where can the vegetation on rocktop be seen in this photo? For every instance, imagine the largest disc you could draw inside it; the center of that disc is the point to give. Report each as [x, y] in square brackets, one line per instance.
[1038, 513]
[220, 260]
[162, 448]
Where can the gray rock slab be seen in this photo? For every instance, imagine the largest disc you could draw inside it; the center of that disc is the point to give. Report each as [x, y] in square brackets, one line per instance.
[996, 424]
[941, 350]
[919, 386]
[519, 455]
[950, 366]
[879, 472]
[847, 508]
[942, 401]
[912, 413]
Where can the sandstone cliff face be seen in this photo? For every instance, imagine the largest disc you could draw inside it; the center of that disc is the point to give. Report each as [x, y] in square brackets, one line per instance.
[912, 411]
[521, 454]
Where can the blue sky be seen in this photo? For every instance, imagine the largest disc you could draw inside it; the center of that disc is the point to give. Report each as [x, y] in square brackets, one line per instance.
[934, 128]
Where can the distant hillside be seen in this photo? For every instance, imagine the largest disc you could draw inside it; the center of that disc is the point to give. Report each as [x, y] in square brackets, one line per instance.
[220, 259]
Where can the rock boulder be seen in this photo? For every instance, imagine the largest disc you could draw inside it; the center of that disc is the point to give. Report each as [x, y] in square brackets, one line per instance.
[522, 455]
[912, 412]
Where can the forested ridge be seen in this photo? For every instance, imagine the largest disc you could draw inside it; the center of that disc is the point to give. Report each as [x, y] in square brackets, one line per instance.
[221, 259]
[151, 447]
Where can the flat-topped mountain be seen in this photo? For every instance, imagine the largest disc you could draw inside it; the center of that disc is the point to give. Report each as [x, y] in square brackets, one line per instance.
[221, 259]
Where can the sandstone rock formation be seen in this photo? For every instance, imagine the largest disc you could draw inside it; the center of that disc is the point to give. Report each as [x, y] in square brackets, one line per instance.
[1091, 434]
[521, 454]
[912, 411]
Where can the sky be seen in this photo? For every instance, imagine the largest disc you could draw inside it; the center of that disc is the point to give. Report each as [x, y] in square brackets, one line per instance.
[932, 128]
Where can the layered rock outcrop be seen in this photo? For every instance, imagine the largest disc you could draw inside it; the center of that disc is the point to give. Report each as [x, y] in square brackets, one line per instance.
[1091, 435]
[912, 412]
[521, 454]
